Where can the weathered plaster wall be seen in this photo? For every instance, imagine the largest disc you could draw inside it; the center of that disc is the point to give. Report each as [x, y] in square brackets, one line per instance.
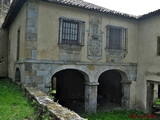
[48, 31]
[148, 61]
[40, 54]
[18, 23]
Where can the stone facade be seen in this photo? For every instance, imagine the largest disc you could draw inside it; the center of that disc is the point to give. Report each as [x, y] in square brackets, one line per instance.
[38, 36]
[40, 72]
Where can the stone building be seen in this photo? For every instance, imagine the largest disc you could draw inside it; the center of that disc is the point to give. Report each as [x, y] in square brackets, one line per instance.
[4, 7]
[85, 52]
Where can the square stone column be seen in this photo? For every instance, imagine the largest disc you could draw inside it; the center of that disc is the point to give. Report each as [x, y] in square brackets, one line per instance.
[91, 97]
[155, 93]
[126, 94]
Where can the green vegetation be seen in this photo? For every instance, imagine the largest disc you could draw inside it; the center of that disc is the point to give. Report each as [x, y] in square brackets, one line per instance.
[119, 115]
[157, 102]
[13, 104]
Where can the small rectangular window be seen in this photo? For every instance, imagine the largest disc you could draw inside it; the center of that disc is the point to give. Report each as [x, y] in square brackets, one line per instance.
[71, 32]
[18, 44]
[116, 38]
[158, 46]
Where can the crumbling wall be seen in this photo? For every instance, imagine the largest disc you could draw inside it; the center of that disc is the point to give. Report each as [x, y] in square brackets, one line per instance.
[45, 103]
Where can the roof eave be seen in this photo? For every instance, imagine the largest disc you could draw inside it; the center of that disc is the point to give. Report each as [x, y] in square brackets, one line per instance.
[13, 12]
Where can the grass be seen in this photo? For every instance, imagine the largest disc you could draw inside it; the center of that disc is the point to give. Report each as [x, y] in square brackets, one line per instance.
[118, 115]
[13, 104]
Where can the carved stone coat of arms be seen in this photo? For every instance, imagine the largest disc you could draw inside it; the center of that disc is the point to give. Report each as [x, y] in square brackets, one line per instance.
[94, 45]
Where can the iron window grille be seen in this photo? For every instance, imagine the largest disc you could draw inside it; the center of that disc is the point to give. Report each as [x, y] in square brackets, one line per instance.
[71, 32]
[117, 38]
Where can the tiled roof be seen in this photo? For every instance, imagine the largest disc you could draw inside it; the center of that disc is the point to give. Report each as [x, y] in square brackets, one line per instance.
[150, 14]
[17, 5]
[90, 6]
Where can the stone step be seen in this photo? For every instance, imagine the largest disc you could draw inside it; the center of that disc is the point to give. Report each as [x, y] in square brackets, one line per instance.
[157, 113]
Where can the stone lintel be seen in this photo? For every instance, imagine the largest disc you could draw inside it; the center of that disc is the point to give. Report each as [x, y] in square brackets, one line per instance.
[92, 83]
[126, 82]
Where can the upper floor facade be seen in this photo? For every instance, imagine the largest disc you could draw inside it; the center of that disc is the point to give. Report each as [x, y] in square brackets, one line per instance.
[74, 31]
[44, 30]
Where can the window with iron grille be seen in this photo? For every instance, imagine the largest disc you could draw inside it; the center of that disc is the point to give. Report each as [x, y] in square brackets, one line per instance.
[71, 32]
[116, 38]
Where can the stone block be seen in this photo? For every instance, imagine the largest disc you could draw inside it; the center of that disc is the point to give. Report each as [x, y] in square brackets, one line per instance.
[31, 22]
[28, 54]
[34, 54]
[37, 79]
[35, 66]
[48, 67]
[30, 73]
[31, 44]
[70, 55]
[32, 8]
[42, 67]
[32, 14]
[42, 73]
[32, 29]
[31, 36]
[27, 80]
[28, 66]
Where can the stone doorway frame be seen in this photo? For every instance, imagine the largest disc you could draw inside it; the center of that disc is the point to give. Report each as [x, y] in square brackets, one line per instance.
[152, 94]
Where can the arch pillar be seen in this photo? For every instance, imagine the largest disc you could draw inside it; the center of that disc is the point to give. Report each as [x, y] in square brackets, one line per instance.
[126, 93]
[91, 96]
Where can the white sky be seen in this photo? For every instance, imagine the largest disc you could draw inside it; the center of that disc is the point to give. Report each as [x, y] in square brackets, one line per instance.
[133, 7]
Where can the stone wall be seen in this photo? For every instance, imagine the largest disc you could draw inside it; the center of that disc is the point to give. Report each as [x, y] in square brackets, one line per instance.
[3, 53]
[56, 111]
[41, 72]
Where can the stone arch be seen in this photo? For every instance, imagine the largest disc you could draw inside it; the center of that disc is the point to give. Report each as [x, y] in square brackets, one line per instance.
[125, 85]
[17, 75]
[122, 71]
[69, 87]
[56, 69]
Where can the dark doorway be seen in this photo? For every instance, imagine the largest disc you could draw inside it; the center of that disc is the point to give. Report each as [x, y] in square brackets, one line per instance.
[68, 86]
[150, 87]
[158, 91]
[18, 77]
[109, 90]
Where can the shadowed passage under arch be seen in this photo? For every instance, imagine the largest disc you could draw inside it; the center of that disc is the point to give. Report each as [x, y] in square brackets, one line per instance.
[109, 89]
[69, 88]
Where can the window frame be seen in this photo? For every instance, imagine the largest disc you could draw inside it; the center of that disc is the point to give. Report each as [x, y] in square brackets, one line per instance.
[75, 38]
[123, 42]
[18, 43]
[158, 46]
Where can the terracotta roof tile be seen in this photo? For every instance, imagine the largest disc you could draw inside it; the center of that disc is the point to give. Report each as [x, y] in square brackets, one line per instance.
[17, 5]
[90, 6]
